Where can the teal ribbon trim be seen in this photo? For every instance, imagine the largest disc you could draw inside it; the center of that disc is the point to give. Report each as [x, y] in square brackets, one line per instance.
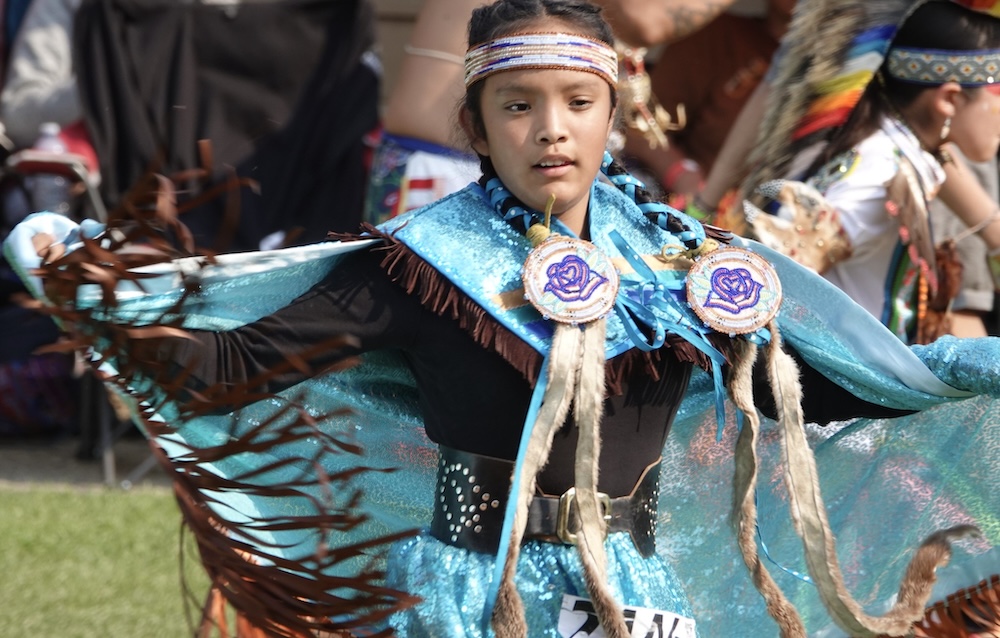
[515, 489]
[654, 295]
[767, 554]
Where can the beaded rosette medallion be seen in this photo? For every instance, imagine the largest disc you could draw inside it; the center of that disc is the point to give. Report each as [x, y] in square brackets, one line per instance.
[733, 290]
[569, 280]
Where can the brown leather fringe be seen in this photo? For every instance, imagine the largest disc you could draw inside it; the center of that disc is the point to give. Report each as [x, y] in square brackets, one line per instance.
[264, 594]
[270, 596]
[718, 234]
[974, 611]
[441, 296]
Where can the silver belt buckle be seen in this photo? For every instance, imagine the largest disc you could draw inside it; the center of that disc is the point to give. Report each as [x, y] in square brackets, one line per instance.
[566, 502]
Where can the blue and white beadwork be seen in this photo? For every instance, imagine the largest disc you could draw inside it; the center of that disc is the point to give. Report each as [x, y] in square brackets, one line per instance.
[541, 51]
[935, 66]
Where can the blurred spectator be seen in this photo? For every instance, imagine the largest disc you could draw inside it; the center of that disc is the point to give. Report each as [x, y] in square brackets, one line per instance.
[38, 392]
[40, 84]
[710, 74]
[861, 216]
[259, 110]
[648, 23]
[11, 16]
[976, 295]
[420, 156]
[962, 202]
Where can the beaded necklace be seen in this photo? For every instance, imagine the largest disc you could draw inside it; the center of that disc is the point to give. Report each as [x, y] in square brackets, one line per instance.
[690, 232]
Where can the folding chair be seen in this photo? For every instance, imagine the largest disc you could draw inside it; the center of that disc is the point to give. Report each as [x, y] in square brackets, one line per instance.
[283, 91]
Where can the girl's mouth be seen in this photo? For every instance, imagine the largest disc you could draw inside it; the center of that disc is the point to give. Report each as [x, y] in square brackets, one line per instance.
[552, 163]
[553, 167]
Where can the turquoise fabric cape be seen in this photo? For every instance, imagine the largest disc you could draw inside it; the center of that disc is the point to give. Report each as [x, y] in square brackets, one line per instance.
[887, 483]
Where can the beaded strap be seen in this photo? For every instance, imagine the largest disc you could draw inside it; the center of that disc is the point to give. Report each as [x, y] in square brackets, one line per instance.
[686, 228]
[512, 211]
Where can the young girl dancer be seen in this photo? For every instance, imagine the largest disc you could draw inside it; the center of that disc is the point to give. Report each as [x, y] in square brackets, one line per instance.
[550, 323]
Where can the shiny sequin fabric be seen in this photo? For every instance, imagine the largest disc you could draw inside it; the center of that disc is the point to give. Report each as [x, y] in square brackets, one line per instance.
[447, 233]
[887, 483]
[454, 582]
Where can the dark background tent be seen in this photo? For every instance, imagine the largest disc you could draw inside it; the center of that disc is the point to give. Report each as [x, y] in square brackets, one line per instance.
[284, 91]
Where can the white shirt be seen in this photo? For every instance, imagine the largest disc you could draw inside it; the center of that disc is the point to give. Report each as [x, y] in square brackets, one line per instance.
[861, 196]
[41, 84]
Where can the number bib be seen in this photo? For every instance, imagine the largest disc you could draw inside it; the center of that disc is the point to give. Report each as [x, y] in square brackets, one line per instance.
[577, 619]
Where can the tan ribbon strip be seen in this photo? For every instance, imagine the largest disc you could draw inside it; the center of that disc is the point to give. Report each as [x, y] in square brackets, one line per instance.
[809, 513]
[576, 375]
[744, 485]
[589, 407]
[564, 362]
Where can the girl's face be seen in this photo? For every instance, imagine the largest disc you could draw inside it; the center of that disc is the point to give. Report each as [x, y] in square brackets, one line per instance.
[546, 131]
[975, 127]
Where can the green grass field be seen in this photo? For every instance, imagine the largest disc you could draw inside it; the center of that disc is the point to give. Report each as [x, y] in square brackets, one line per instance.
[91, 562]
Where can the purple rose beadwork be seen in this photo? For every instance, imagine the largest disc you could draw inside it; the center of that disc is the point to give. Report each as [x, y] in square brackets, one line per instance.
[569, 280]
[572, 279]
[733, 290]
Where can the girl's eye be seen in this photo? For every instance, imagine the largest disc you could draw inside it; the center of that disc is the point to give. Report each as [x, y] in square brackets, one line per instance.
[517, 107]
[580, 102]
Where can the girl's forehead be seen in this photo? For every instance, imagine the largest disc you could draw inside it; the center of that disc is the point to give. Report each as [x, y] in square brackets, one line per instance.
[555, 78]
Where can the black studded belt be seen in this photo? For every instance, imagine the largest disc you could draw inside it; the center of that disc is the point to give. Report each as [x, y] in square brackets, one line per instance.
[471, 497]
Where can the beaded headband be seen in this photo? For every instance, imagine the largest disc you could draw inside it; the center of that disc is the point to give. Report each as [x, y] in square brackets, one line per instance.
[937, 66]
[541, 51]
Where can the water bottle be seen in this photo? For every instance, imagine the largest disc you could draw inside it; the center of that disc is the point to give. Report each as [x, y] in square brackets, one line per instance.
[49, 191]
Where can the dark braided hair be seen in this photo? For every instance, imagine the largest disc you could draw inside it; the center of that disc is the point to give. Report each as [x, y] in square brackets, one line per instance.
[656, 211]
[506, 17]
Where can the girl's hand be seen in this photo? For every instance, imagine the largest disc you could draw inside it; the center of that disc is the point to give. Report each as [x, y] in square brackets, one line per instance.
[47, 247]
[40, 238]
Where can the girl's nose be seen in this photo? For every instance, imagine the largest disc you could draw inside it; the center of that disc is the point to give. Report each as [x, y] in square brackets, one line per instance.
[552, 129]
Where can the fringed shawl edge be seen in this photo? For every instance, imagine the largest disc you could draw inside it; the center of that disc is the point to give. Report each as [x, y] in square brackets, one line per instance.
[441, 296]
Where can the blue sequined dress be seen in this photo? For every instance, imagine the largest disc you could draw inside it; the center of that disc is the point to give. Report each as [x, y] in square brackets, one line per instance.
[922, 472]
